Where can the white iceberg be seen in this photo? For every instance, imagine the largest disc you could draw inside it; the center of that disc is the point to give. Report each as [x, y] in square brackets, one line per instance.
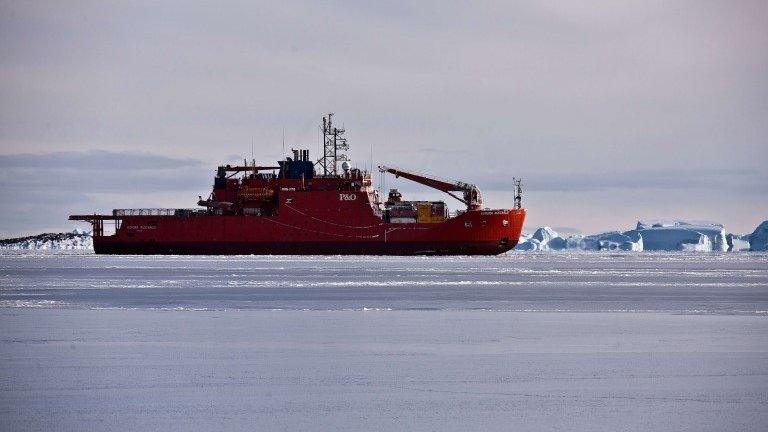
[681, 235]
[539, 240]
[653, 236]
[544, 235]
[702, 244]
[75, 240]
[528, 244]
[737, 243]
[612, 240]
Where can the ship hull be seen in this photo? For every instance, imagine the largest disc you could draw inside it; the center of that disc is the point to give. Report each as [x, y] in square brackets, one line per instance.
[306, 248]
[487, 232]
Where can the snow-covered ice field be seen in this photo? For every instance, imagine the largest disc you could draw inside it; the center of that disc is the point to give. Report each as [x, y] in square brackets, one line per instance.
[576, 341]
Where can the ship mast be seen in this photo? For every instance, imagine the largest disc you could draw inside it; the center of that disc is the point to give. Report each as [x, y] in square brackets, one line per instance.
[333, 142]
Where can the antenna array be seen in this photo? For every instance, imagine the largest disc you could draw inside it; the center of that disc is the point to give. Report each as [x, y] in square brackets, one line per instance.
[333, 143]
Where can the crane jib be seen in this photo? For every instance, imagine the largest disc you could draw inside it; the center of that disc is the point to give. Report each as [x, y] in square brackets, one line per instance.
[471, 199]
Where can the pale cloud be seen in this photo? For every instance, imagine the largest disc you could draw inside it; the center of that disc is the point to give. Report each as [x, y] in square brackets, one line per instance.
[573, 96]
[40, 191]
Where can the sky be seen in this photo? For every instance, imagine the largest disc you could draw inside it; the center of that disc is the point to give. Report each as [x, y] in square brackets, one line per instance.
[610, 111]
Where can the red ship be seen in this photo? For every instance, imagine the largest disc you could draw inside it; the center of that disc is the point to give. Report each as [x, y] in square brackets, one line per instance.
[305, 207]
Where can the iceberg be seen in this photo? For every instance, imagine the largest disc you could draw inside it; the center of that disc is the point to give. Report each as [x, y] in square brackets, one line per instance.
[546, 239]
[539, 240]
[528, 244]
[702, 244]
[758, 240]
[544, 234]
[75, 240]
[557, 243]
[652, 236]
[737, 243]
[681, 236]
[612, 240]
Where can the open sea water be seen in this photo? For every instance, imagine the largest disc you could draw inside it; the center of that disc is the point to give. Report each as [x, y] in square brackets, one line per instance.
[527, 341]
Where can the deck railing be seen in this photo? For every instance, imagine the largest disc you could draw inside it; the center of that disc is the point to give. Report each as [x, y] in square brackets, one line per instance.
[152, 212]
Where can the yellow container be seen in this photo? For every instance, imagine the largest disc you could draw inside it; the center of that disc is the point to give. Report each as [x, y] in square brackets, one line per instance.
[424, 212]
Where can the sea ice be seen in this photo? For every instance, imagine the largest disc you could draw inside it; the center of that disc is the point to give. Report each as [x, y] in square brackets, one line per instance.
[530, 342]
[381, 370]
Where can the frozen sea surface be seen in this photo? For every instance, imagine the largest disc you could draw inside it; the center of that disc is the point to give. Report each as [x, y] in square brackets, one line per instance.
[585, 341]
[576, 282]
